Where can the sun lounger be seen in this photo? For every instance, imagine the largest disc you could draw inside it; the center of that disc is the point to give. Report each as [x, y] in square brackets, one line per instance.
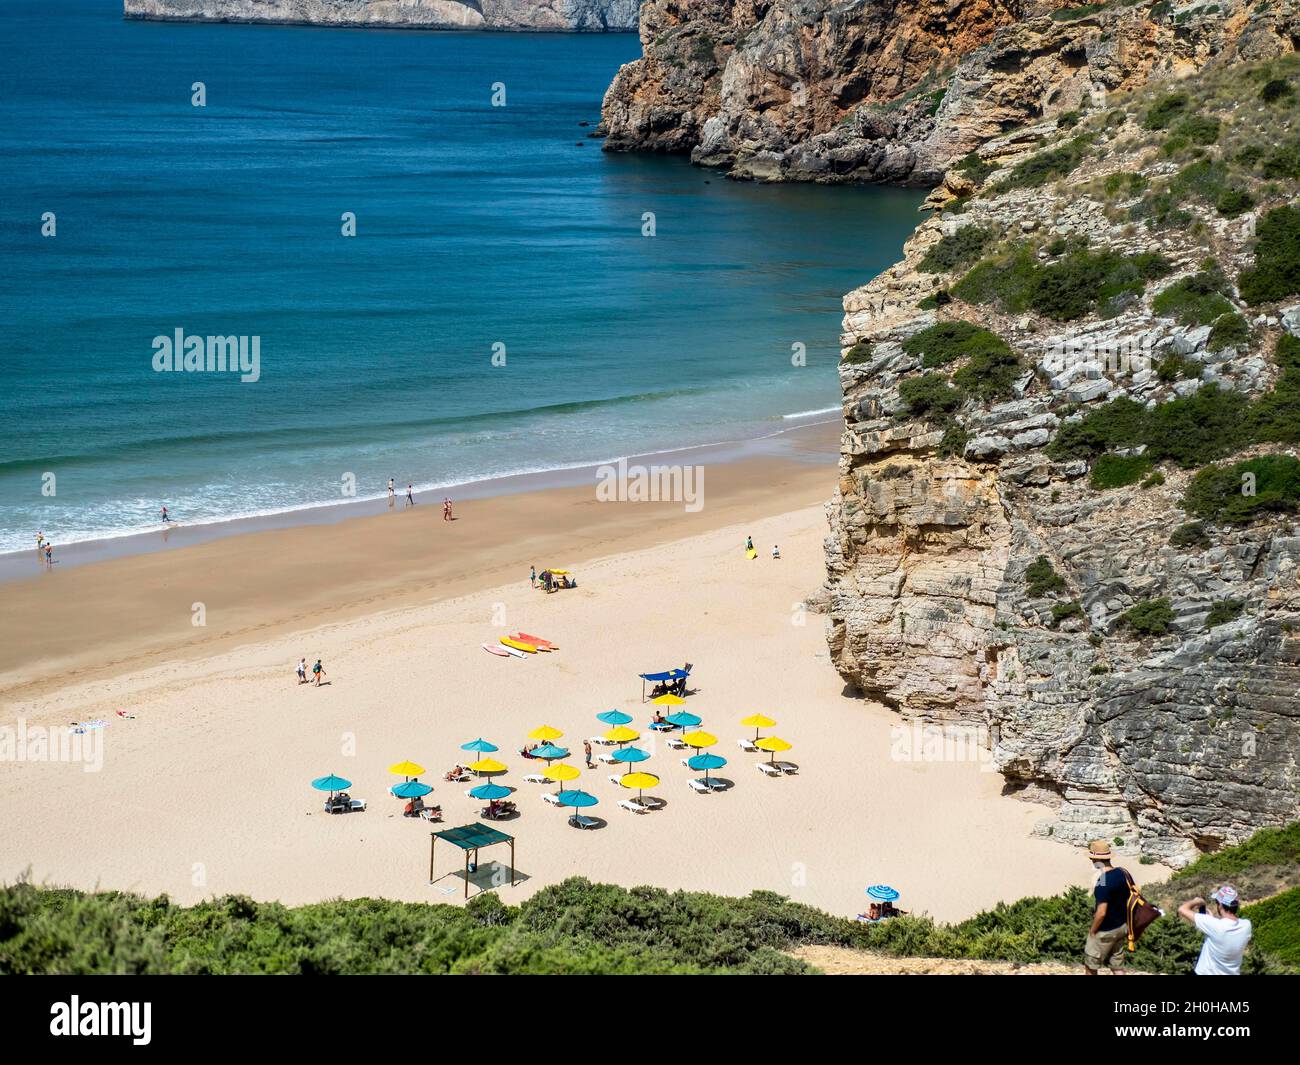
[551, 797]
[651, 803]
[675, 742]
[614, 778]
[634, 806]
[747, 745]
[787, 767]
[600, 741]
[351, 806]
[717, 784]
[767, 769]
[432, 813]
[537, 778]
[699, 787]
[606, 759]
[579, 821]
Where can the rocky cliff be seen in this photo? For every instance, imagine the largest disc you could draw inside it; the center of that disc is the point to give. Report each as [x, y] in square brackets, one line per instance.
[581, 15]
[873, 90]
[1068, 509]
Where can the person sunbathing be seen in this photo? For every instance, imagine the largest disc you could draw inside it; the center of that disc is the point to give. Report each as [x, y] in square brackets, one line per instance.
[454, 774]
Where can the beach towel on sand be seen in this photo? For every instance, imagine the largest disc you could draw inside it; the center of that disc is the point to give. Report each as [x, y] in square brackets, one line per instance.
[79, 727]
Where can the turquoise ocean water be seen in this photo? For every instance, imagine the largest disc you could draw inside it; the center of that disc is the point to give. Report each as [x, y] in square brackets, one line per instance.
[477, 226]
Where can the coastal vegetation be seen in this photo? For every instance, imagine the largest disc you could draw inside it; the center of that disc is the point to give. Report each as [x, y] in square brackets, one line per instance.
[577, 927]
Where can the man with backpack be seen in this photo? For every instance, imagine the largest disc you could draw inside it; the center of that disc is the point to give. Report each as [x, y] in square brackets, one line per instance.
[1108, 934]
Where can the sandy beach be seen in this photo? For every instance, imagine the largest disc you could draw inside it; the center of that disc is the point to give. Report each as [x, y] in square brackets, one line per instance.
[205, 791]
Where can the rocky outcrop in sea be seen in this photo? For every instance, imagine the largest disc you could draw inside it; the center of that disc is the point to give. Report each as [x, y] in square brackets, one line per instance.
[554, 15]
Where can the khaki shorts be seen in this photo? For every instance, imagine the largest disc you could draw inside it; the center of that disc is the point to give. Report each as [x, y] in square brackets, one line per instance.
[1106, 949]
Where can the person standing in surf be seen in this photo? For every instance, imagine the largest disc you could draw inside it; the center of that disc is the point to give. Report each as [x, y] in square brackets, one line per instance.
[165, 517]
[410, 496]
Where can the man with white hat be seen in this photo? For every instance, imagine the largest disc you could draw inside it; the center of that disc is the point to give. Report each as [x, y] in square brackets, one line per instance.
[1226, 934]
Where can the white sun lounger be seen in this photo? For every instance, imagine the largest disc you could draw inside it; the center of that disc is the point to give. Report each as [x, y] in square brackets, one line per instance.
[676, 743]
[606, 759]
[579, 821]
[614, 778]
[551, 797]
[600, 741]
[651, 803]
[634, 806]
[537, 778]
[767, 769]
[699, 787]
[747, 745]
[787, 767]
[338, 808]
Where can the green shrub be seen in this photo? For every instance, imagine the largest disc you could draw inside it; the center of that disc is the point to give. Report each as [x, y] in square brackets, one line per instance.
[1154, 481]
[990, 373]
[958, 249]
[1267, 847]
[859, 353]
[939, 298]
[946, 342]
[1286, 353]
[1163, 113]
[1005, 278]
[1283, 163]
[1223, 611]
[1276, 89]
[1067, 120]
[1192, 430]
[975, 168]
[1199, 129]
[929, 395]
[953, 442]
[1151, 617]
[1230, 331]
[1041, 579]
[1121, 423]
[1206, 178]
[1062, 611]
[1194, 300]
[1067, 14]
[1160, 210]
[1276, 924]
[1192, 534]
[1240, 492]
[1116, 471]
[1276, 273]
[1173, 366]
[1039, 169]
[1234, 201]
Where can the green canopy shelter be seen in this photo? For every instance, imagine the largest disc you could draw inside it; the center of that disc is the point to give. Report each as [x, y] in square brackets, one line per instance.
[471, 838]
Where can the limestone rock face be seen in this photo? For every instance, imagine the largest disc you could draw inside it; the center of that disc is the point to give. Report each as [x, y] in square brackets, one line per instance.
[555, 15]
[876, 91]
[1178, 742]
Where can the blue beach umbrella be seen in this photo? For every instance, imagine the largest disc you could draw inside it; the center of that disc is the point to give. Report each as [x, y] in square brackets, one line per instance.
[331, 783]
[882, 893]
[684, 719]
[705, 762]
[411, 789]
[489, 792]
[615, 717]
[577, 799]
[479, 745]
[548, 752]
[630, 754]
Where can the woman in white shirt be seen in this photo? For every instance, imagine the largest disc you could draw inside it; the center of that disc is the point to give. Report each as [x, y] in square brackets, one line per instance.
[1226, 934]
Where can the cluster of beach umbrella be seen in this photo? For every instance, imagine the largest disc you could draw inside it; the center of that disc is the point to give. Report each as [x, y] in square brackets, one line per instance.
[547, 750]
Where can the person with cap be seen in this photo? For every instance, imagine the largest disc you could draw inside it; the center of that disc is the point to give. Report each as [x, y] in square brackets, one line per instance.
[1227, 935]
[1108, 934]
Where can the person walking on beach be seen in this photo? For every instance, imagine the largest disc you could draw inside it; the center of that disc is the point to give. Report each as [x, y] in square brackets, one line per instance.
[1108, 933]
[1226, 935]
[49, 555]
[302, 671]
[391, 486]
[532, 576]
[318, 671]
[40, 544]
[446, 508]
[410, 497]
[586, 751]
[776, 551]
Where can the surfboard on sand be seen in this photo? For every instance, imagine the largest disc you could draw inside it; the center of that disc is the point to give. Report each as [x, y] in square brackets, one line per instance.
[751, 553]
[536, 641]
[518, 645]
[500, 651]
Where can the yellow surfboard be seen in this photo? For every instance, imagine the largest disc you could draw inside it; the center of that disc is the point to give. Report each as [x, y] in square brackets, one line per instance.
[519, 645]
[751, 553]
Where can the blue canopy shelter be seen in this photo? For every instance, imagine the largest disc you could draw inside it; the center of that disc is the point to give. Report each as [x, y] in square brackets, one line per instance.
[471, 838]
[664, 677]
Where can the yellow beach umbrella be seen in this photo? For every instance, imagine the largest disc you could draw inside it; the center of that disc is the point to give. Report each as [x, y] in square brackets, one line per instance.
[561, 772]
[622, 734]
[699, 739]
[487, 765]
[406, 769]
[640, 781]
[669, 700]
[756, 722]
[545, 732]
[773, 744]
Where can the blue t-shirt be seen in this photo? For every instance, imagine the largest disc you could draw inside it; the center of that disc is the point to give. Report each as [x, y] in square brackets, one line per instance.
[1112, 889]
